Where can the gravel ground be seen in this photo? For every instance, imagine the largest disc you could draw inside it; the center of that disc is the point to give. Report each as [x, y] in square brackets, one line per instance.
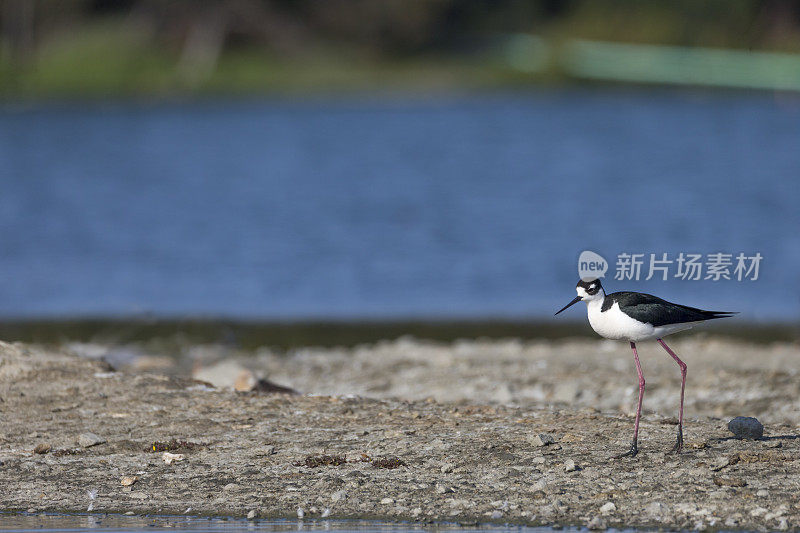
[408, 430]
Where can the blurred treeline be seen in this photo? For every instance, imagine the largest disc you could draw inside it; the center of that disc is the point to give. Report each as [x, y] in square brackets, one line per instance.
[152, 47]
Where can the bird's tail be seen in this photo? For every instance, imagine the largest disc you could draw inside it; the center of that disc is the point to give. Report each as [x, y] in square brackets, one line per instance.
[719, 314]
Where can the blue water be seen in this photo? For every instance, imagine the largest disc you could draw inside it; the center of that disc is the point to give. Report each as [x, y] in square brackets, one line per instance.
[460, 206]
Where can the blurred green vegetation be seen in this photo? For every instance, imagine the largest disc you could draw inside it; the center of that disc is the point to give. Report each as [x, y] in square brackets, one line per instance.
[168, 335]
[92, 48]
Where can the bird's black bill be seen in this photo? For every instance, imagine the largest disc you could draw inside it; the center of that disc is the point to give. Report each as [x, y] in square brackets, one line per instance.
[573, 302]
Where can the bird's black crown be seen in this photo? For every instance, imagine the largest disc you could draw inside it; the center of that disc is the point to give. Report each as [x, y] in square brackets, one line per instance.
[591, 286]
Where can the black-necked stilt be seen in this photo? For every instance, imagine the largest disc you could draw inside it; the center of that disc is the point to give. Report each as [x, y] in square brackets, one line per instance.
[635, 316]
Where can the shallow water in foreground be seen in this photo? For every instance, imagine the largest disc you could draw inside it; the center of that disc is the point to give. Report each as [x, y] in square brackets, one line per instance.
[112, 522]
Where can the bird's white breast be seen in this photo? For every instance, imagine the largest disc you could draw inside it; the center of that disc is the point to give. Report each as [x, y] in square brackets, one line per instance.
[614, 324]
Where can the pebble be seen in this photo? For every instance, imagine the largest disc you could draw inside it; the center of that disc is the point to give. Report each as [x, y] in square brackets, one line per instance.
[42, 449]
[596, 524]
[746, 427]
[608, 508]
[570, 466]
[656, 510]
[168, 457]
[89, 439]
[542, 439]
[720, 463]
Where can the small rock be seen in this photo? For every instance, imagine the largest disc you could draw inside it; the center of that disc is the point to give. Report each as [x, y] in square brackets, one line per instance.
[42, 449]
[339, 495]
[169, 458]
[138, 495]
[542, 439]
[227, 373]
[443, 489]
[570, 466]
[596, 523]
[720, 463]
[608, 508]
[746, 427]
[252, 515]
[89, 439]
[127, 481]
[656, 510]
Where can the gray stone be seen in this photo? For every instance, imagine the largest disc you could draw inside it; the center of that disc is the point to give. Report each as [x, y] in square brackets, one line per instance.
[608, 508]
[89, 439]
[596, 524]
[542, 439]
[746, 427]
[656, 510]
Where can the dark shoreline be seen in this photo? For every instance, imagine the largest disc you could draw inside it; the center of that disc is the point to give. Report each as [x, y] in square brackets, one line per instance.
[251, 334]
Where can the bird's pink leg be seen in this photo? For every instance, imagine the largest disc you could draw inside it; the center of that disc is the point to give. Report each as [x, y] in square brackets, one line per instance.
[635, 446]
[679, 443]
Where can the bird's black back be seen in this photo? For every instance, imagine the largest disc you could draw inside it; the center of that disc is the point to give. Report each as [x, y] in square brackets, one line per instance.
[653, 310]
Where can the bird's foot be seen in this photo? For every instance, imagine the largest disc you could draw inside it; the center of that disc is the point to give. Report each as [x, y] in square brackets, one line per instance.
[630, 453]
[679, 442]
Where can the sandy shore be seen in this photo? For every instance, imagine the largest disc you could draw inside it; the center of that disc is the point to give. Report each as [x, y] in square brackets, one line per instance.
[410, 430]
